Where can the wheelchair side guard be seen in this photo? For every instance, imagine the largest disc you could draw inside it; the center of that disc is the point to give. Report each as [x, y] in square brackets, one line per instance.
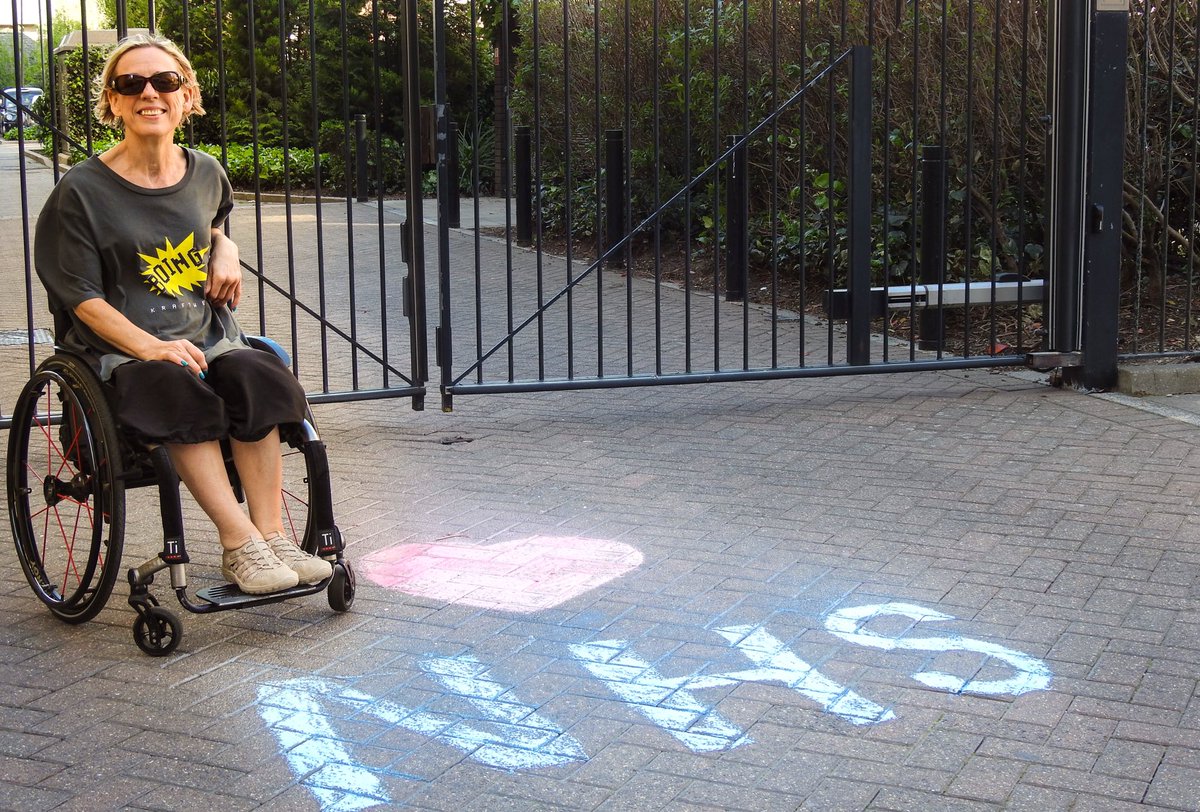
[269, 345]
[322, 536]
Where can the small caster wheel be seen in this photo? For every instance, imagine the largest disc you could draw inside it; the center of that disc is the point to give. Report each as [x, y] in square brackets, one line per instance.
[341, 587]
[157, 632]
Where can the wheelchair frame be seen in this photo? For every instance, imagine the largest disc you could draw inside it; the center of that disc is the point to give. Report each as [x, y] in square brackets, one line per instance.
[102, 464]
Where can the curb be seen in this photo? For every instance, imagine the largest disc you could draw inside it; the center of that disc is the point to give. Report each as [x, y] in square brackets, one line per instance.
[1148, 380]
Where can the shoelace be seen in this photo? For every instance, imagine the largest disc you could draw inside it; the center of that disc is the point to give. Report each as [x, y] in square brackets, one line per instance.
[255, 557]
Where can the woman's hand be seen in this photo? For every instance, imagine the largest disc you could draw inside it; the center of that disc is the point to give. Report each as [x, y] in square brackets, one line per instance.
[181, 351]
[112, 326]
[224, 283]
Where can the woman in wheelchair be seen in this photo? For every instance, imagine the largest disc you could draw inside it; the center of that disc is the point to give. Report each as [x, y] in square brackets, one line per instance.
[130, 246]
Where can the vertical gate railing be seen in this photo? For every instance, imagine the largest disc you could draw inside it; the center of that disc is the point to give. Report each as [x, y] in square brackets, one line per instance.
[1159, 303]
[688, 90]
[283, 82]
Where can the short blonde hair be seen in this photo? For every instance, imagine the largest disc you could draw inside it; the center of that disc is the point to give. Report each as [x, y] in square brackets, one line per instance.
[103, 109]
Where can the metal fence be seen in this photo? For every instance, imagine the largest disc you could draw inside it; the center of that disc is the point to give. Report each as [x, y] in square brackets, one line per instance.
[1158, 292]
[637, 192]
[300, 111]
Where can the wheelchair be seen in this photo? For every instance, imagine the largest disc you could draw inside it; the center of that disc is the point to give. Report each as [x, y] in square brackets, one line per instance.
[69, 467]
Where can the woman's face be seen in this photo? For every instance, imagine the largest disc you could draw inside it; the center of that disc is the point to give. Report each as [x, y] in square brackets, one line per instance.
[149, 114]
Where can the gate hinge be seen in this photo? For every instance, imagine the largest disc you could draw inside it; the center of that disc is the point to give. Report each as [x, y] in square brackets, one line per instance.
[1053, 360]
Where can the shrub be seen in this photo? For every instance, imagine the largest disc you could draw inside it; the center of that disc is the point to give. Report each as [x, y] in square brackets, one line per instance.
[718, 70]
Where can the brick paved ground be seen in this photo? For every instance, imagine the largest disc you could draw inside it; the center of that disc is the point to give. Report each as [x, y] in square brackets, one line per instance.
[1055, 530]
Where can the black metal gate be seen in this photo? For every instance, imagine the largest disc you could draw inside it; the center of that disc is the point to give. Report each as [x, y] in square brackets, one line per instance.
[735, 191]
[643, 192]
[301, 112]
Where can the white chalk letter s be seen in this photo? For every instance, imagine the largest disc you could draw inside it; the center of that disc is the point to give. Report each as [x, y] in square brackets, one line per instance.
[1032, 673]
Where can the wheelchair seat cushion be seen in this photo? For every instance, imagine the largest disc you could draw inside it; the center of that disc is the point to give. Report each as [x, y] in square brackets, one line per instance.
[244, 394]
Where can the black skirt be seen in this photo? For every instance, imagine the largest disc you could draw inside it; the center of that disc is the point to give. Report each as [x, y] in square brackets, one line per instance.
[244, 394]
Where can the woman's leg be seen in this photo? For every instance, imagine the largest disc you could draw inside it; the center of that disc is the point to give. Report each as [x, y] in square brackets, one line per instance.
[260, 467]
[247, 559]
[202, 468]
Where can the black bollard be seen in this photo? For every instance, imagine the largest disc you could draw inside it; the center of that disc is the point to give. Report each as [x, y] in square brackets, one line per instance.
[614, 173]
[523, 146]
[737, 216]
[933, 241]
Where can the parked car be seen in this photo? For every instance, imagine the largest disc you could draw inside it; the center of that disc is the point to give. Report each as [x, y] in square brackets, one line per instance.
[8, 118]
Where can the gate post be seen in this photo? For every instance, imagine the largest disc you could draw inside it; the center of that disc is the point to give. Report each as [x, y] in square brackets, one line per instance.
[447, 186]
[858, 348]
[360, 157]
[414, 283]
[454, 212]
[1067, 150]
[614, 183]
[1084, 175]
[523, 146]
[1102, 269]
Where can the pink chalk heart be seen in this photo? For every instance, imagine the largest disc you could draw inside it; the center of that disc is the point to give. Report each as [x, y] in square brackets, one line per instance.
[526, 575]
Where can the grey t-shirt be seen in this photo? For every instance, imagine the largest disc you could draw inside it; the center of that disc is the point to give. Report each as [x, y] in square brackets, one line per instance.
[145, 251]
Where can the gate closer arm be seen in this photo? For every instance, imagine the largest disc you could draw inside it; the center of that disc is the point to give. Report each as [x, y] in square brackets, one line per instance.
[954, 294]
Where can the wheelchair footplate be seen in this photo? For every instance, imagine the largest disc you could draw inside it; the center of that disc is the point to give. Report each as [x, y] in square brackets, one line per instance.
[228, 596]
[157, 631]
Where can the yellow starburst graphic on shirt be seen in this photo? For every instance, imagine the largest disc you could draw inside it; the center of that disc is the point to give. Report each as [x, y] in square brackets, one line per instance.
[175, 268]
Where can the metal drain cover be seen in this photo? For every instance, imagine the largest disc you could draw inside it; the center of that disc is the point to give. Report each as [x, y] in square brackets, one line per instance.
[14, 338]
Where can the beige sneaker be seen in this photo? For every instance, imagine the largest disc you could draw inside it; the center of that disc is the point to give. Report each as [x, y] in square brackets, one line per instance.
[309, 568]
[256, 570]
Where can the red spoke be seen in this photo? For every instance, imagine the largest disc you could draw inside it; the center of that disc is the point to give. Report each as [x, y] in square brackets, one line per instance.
[51, 445]
[288, 511]
[69, 546]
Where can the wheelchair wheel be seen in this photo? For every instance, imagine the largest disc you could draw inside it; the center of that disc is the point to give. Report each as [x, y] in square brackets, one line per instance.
[66, 499]
[157, 632]
[341, 587]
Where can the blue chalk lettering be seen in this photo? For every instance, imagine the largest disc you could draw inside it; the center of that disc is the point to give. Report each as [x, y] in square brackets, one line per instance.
[665, 701]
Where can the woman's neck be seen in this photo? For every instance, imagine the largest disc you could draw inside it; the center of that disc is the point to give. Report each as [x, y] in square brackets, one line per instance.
[152, 165]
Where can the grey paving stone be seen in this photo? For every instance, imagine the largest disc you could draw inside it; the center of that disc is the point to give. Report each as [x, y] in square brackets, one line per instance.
[1126, 759]
[987, 779]
[895, 799]
[837, 795]
[1174, 786]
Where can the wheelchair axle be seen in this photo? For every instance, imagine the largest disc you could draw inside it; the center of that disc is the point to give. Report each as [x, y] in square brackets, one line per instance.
[78, 488]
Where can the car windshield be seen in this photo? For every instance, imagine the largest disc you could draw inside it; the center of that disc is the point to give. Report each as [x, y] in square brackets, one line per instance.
[28, 96]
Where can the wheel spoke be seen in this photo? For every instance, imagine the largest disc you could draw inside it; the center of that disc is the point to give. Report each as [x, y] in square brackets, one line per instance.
[301, 507]
[69, 546]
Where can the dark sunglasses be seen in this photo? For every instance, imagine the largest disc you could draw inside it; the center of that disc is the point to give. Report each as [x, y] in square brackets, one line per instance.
[130, 84]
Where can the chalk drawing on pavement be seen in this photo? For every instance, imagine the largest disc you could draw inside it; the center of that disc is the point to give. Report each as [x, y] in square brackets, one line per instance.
[526, 575]
[483, 716]
[303, 715]
[1031, 674]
